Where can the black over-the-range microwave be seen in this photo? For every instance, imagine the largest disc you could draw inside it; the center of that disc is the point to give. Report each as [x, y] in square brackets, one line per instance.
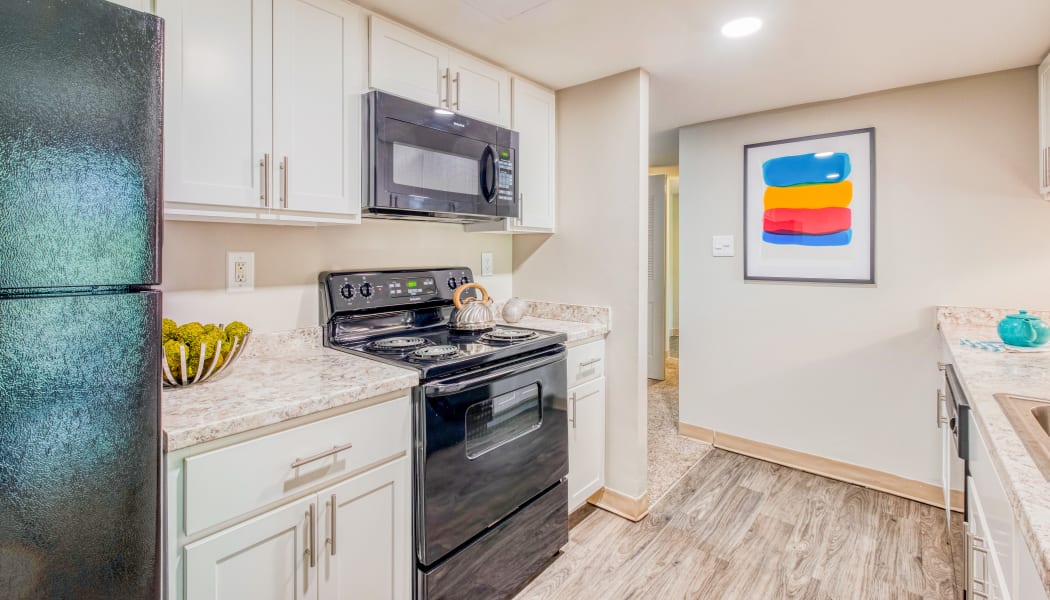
[428, 163]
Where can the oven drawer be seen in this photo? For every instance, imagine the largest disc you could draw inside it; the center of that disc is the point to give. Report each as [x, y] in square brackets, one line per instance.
[223, 484]
[585, 363]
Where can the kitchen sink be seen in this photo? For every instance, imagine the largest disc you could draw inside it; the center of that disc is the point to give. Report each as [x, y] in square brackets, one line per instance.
[1030, 418]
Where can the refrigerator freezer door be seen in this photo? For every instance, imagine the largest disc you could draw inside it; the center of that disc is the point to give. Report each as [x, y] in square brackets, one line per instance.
[80, 447]
[80, 144]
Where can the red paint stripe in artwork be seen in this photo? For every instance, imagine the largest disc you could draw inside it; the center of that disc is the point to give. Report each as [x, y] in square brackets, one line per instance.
[811, 221]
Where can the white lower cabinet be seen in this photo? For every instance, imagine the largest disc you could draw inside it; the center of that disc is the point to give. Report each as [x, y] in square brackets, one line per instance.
[264, 558]
[340, 529]
[367, 535]
[586, 441]
[998, 562]
[586, 408]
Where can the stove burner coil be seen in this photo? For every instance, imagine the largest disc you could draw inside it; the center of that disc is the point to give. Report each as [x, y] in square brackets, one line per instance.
[508, 335]
[398, 344]
[434, 353]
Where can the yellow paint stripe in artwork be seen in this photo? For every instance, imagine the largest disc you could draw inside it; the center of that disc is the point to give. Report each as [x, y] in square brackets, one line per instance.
[822, 195]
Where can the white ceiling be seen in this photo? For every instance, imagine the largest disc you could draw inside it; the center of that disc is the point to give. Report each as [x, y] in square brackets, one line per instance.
[808, 50]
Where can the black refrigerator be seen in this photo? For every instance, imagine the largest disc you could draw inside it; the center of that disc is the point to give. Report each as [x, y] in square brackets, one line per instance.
[80, 228]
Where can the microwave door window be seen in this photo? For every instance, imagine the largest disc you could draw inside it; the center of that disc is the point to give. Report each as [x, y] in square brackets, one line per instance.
[435, 171]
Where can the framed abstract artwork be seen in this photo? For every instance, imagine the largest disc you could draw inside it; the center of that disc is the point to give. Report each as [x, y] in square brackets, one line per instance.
[809, 208]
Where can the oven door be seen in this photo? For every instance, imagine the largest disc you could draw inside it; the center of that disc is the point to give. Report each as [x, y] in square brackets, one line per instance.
[490, 441]
[427, 170]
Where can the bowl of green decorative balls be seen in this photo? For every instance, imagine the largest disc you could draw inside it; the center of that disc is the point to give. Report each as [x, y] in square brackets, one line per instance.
[194, 353]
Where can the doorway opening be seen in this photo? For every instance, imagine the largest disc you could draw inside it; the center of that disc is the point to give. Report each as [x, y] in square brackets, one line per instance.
[670, 455]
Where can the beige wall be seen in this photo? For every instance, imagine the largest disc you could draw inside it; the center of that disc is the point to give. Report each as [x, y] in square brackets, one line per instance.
[848, 372]
[599, 253]
[288, 259]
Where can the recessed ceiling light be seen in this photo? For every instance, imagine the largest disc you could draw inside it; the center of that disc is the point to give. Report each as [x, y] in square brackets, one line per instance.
[741, 27]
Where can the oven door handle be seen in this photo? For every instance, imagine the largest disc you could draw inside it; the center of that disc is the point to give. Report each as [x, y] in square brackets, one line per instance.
[431, 390]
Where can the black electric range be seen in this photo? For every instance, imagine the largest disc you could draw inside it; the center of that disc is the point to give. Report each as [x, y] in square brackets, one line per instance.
[490, 499]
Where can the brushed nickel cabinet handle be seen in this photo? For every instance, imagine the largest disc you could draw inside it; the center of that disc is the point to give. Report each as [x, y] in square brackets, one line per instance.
[332, 510]
[313, 534]
[448, 88]
[941, 419]
[284, 182]
[305, 461]
[264, 177]
[573, 418]
[457, 89]
[588, 363]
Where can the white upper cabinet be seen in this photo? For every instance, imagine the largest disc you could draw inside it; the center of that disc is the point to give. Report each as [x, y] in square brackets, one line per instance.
[411, 65]
[317, 105]
[533, 117]
[262, 110]
[534, 120]
[1044, 128]
[407, 64]
[478, 89]
[217, 100]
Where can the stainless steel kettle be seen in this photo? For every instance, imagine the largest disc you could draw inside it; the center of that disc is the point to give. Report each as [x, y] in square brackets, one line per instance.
[472, 313]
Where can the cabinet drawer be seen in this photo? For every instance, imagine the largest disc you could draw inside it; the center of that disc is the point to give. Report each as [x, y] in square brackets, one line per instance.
[225, 483]
[585, 362]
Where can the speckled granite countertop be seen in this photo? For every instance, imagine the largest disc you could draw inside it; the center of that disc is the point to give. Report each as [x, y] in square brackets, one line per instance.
[983, 374]
[575, 330]
[279, 377]
[286, 375]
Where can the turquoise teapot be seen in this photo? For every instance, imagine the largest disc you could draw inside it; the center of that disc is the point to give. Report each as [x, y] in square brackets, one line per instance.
[1024, 330]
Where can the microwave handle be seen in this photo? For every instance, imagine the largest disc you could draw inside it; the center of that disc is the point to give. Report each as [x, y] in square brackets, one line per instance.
[488, 159]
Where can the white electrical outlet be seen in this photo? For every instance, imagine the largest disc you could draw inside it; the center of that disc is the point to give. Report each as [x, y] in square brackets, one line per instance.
[486, 264]
[240, 271]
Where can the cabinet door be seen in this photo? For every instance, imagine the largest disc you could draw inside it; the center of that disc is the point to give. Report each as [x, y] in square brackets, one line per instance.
[586, 441]
[217, 100]
[534, 120]
[319, 58]
[265, 558]
[1044, 127]
[367, 536]
[479, 90]
[407, 64]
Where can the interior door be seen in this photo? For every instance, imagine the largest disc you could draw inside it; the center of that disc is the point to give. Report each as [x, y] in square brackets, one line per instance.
[479, 89]
[407, 64]
[534, 120]
[318, 83]
[367, 535]
[218, 100]
[264, 558]
[657, 342]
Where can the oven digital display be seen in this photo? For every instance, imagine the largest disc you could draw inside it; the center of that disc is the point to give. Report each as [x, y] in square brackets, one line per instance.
[412, 284]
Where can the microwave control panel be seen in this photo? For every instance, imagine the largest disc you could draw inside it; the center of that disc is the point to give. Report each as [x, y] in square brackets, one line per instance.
[505, 176]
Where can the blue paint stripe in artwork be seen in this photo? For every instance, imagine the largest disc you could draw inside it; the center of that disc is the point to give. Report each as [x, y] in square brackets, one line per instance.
[842, 238]
[802, 169]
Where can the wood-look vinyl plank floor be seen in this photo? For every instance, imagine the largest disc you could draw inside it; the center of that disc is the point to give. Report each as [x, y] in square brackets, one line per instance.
[737, 528]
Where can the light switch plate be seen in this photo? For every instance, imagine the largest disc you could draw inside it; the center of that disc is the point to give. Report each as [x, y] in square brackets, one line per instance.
[486, 264]
[240, 271]
[723, 245]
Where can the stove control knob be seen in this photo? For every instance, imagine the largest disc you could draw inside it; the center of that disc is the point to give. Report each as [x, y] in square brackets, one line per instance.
[452, 283]
[366, 289]
[347, 291]
[464, 281]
